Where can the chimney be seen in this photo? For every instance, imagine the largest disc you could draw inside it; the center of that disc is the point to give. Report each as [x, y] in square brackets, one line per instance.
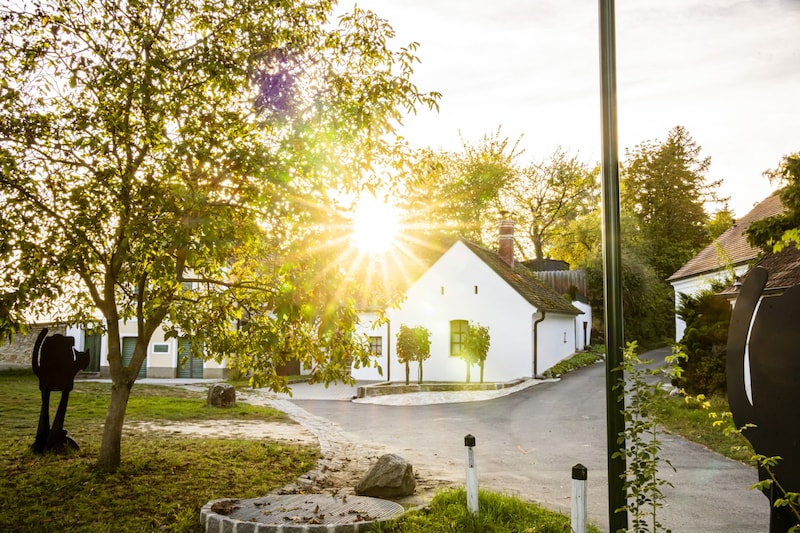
[506, 248]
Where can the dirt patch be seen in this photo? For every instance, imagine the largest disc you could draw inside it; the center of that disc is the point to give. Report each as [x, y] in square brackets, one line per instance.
[342, 471]
[278, 431]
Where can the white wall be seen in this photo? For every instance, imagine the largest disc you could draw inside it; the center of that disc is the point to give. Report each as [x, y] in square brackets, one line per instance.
[158, 364]
[583, 326]
[556, 339]
[447, 291]
[368, 328]
[694, 285]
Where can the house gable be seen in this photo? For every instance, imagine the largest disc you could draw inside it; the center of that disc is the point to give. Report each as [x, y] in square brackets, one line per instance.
[472, 284]
[527, 285]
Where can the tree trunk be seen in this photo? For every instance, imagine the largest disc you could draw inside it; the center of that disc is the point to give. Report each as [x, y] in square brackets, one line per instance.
[468, 368]
[110, 457]
[408, 371]
[419, 379]
[481, 371]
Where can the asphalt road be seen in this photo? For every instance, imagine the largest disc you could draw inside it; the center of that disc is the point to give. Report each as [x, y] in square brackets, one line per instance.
[528, 442]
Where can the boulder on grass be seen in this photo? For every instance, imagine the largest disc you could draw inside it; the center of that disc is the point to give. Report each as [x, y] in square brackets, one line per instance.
[391, 477]
[221, 395]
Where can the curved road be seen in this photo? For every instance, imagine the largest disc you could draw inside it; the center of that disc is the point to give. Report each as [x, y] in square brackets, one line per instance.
[527, 443]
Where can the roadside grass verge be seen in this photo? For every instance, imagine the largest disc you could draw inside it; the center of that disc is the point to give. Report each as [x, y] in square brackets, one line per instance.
[693, 420]
[578, 360]
[497, 513]
[163, 480]
[689, 417]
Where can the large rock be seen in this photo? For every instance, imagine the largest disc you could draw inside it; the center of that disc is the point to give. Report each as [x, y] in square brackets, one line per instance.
[221, 395]
[391, 477]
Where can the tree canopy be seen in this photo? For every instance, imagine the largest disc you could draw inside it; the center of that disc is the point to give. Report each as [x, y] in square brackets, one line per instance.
[178, 164]
[664, 184]
[544, 198]
[773, 232]
[454, 194]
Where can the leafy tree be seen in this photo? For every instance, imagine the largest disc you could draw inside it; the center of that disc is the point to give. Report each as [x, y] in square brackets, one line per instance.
[413, 344]
[171, 164]
[476, 347]
[664, 185]
[455, 194]
[544, 198]
[647, 302]
[721, 222]
[579, 240]
[769, 232]
[704, 342]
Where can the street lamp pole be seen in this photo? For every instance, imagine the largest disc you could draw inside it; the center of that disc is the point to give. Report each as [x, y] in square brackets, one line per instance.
[615, 403]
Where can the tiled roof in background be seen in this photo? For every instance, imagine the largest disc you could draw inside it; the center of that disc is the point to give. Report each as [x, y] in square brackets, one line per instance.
[730, 247]
[783, 271]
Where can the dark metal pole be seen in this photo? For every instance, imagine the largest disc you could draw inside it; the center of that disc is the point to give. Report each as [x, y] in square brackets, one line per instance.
[615, 404]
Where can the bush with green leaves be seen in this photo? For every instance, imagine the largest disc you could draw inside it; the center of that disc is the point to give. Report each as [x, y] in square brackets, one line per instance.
[704, 342]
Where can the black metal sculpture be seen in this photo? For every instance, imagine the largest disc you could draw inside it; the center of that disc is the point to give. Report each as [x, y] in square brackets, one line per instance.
[56, 366]
[764, 341]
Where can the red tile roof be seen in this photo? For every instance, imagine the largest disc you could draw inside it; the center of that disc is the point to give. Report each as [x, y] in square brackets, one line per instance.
[730, 247]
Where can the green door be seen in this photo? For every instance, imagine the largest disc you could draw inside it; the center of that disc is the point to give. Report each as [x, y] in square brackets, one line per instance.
[190, 365]
[91, 342]
[128, 344]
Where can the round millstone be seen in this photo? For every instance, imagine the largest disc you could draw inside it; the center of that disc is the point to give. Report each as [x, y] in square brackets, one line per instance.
[290, 513]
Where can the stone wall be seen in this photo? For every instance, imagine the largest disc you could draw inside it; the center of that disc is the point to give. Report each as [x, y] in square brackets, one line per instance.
[19, 352]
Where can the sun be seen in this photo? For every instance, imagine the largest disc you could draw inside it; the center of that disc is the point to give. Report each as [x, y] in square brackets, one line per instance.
[376, 224]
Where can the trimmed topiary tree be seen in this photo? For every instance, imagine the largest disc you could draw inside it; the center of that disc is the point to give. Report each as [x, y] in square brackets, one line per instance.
[413, 344]
[476, 347]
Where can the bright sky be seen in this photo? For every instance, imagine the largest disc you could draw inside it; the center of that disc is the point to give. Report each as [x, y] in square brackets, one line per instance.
[726, 70]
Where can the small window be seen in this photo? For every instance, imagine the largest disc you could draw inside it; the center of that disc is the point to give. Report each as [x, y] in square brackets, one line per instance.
[160, 348]
[376, 346]
[476, 289]
[441, 289]
[458, 337]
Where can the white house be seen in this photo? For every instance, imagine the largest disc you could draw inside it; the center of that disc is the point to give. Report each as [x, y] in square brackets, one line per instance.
[730, 252]
[163, 355]
[531, 326]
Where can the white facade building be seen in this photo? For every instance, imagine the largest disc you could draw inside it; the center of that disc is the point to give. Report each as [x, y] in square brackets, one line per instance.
[728, 254]
[531, 327]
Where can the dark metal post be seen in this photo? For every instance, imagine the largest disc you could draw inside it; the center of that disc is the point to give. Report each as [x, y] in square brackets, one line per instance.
[615, 404]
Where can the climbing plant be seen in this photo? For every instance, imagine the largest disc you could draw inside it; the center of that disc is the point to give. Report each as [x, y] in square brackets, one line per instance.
[640, 442]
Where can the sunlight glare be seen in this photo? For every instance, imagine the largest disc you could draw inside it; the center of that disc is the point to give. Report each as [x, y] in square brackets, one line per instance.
[375, 225]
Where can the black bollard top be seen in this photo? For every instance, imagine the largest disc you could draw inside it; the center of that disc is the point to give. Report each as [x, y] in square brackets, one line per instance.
[579, 472]
[469, 441]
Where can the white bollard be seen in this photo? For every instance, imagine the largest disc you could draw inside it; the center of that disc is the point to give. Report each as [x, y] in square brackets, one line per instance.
[472, 475]
[579, 474]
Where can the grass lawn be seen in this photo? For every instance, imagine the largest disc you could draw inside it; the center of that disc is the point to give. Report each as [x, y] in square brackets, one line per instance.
[496, 514]
[163, 480]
